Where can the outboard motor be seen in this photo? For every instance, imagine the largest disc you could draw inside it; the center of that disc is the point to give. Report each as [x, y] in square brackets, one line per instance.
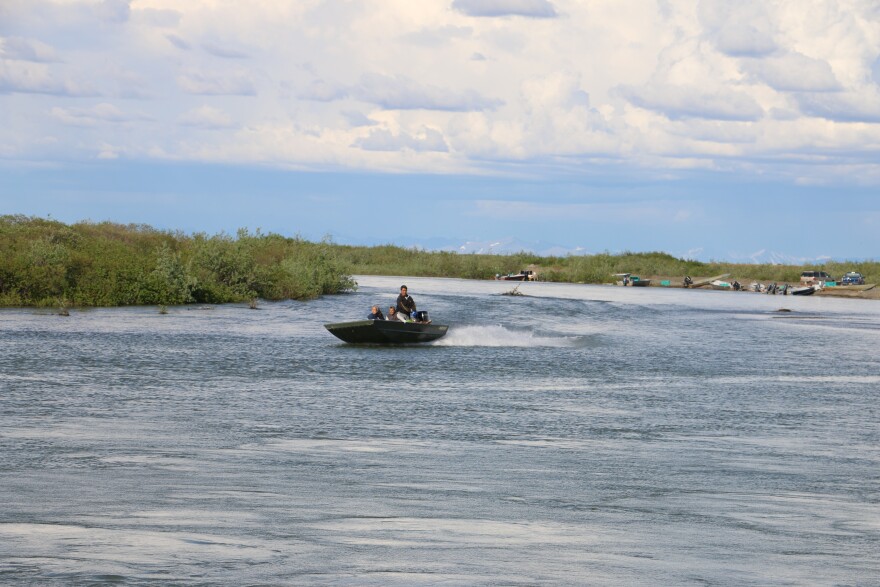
[421, 316]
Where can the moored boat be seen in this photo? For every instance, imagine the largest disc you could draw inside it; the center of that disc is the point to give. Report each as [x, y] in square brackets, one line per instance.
[524, 275]
[386, 331]
[803, 291]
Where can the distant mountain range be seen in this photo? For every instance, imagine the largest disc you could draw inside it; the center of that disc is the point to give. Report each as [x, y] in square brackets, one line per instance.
[765, 257]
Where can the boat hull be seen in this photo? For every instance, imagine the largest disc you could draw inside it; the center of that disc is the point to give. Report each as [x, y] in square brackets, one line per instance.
[385, 332]
[803, 291]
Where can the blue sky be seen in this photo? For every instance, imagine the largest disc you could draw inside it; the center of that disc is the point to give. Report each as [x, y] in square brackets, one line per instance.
[705, 128]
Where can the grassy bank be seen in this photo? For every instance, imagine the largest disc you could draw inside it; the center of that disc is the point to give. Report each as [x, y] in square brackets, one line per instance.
[391, 260]
[48, 263]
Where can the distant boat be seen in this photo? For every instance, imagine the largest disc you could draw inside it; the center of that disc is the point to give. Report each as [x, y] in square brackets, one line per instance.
[524, 275]
[708, 280]
[803, 291]
[386, 331]
[718, 284]
[631, 280]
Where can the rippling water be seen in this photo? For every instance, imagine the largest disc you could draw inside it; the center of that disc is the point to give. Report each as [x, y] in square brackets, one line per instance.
[578, 435]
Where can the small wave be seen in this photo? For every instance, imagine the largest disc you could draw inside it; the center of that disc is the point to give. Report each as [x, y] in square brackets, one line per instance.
[499, 336]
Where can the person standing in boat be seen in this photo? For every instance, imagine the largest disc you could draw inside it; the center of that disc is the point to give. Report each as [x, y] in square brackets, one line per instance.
[405, 304]
[375, 314]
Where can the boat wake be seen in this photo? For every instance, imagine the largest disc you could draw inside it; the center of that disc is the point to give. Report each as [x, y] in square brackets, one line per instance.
[499, 336]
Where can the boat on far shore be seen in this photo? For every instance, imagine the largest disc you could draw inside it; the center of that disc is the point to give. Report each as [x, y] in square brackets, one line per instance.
[803, 291]
[386, 331]
[524, 275]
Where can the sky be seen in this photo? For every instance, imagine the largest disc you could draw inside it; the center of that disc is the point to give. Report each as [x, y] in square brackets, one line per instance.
[709, 129]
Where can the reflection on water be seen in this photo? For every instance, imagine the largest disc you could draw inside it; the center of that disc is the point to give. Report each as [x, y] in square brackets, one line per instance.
[576, 435]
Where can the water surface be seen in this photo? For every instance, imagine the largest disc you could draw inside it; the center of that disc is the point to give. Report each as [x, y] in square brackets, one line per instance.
[576, 435]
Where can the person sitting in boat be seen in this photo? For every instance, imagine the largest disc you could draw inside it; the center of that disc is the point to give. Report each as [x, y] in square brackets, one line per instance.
[405, 304]
[375, 314]
[393, 314]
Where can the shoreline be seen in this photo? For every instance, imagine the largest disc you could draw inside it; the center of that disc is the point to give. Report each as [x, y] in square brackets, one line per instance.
[865, 292]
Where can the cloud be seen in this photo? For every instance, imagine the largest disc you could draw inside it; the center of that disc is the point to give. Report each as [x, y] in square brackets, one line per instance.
[744, 40]
[428, 140]
[683, 102]
[400, 93]
[22, 77]
[27, 50]
[403, 93]
[224, 50]
[842, 107]
[322, 91]
[178, 42]
[527, 8]
[793, 72]
[116, 11]
[206, 117]
[437, 36]
[712, 84]
[157, 17]
[100, 113]
[356, 119]
[236, 84]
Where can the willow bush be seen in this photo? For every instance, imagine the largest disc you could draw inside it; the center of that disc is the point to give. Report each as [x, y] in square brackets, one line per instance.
[48, 263]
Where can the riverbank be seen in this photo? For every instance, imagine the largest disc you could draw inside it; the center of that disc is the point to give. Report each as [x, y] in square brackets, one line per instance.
[864, 292]
[48, 263]
[51, 264]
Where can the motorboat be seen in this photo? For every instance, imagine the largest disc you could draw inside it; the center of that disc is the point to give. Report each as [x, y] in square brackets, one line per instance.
[803, 291]
[688, 282]
[631, 280]
[386, 331]
[524, 275]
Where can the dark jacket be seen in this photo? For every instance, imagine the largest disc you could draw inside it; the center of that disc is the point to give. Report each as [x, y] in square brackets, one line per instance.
[378, 316]
[405, 304]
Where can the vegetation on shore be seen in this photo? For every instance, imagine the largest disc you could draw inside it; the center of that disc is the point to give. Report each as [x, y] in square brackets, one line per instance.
[600, 268]
[49, 263]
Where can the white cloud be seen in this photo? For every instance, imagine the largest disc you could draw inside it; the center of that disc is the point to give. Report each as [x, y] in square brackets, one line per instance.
[428, 140]
[235, 84]
[528, 8]
[206, 117]
[99, 113]
[576, 87]
[683, 102]
[27, 50]
[178, 42]
[224, 50]
[744, 40]
[116, 11]
[400, 93]
[843, 107]
[24, 77]
[793, 72]
[403, 93]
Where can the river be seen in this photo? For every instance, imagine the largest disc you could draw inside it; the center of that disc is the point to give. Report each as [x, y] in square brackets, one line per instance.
[577, 435]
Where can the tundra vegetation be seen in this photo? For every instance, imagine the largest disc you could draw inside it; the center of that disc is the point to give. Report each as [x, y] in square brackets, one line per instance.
[48, 263]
